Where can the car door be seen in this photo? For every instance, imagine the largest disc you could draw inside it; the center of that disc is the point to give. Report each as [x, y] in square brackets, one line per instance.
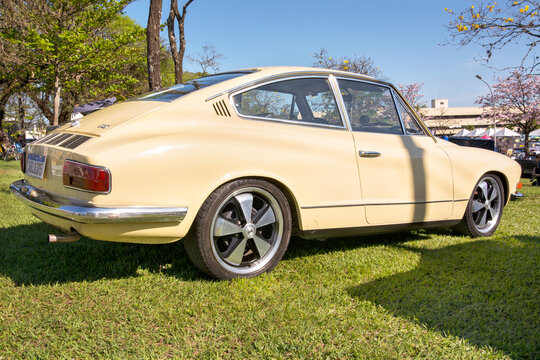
[405, 177]
[311, 148]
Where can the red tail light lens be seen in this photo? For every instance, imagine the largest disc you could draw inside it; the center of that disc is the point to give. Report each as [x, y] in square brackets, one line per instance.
[86, 177]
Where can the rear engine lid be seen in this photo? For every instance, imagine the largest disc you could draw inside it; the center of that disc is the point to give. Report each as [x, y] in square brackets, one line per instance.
[102, 121]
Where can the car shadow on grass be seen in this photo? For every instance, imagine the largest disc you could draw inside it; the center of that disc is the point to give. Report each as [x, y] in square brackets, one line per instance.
[299, 247]
[27, 258]
[484, 291]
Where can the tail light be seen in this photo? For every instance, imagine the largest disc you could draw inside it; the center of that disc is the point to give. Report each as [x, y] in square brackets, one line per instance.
[23, 162]
[86, 177]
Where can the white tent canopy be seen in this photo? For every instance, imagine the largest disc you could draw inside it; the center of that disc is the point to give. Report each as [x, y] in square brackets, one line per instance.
[507, 132]
[462, 132]
[489, 132]
[535, 133]
[477, 133]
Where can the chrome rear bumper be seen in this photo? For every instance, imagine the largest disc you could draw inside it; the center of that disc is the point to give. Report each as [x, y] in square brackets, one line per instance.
[86, 214]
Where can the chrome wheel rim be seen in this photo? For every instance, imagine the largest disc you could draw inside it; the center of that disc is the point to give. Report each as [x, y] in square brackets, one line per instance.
[486, 204]
[247, 230]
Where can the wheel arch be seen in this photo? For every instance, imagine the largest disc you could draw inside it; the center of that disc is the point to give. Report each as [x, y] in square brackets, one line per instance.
[505, 184]
[291, 199]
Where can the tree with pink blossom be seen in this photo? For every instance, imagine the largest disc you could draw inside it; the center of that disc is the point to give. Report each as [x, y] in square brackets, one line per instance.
[411, 92]
[516, 102]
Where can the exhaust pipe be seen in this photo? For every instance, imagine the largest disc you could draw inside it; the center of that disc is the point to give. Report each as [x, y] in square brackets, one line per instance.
[69, 237]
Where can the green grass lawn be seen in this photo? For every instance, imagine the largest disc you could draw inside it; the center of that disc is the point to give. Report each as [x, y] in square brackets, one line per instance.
[421, 294]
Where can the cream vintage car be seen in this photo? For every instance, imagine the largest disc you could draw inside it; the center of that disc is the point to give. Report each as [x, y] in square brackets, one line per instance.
[234, 163]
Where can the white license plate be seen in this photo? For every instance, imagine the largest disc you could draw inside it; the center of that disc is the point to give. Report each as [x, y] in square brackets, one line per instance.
[36, 165]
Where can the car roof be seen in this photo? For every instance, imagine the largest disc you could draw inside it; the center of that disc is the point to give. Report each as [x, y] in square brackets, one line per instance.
[277, 70]
[268, 73]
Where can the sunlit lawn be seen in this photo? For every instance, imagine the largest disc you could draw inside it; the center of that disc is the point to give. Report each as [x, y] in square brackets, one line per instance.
[423, 294]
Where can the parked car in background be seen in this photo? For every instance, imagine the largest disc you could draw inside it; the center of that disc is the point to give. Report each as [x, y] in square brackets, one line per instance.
[527, 165]
[234, 163]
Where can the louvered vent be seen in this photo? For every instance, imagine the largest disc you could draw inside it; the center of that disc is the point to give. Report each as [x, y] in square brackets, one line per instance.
[74, 141]
[44, 139]
[69, 141]
[221, 108]
[58, 139]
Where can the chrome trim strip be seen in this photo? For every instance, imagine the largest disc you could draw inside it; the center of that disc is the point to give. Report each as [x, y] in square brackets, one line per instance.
[330, 206]
[412, 203]
[42, 201]
[378, 204]
[339, 100]
[312, 124]
[395, 100]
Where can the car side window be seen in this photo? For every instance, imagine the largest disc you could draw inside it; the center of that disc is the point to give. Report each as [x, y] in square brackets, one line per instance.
[409, 122]
[370, 107]
[306, 100]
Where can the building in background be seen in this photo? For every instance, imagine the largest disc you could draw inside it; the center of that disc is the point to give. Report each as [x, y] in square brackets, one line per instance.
[445, 120]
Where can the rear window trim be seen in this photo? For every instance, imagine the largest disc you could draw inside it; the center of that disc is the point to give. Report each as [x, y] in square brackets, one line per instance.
[148, 96]
[291, 122]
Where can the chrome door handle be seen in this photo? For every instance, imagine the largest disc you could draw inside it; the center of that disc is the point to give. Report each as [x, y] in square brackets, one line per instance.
[369, 154]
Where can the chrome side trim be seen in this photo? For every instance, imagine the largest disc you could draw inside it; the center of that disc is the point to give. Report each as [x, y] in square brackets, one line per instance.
[378, 204]
[86, 214]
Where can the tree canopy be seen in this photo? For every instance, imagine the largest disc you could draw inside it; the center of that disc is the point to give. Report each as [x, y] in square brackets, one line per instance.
[357, 64]
[496, 24]
[515, 101]
[74, 50]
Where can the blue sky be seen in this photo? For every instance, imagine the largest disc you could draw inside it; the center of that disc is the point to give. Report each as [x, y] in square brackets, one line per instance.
[403, 37]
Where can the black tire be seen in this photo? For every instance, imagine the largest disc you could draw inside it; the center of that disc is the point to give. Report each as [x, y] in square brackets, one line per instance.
[242, 230]
[485, 208]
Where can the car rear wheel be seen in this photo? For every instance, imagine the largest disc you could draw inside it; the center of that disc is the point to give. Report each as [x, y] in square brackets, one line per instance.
[485, 207]
[241, 230]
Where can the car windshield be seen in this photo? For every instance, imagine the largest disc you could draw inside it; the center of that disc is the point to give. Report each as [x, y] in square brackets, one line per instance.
[176, 91]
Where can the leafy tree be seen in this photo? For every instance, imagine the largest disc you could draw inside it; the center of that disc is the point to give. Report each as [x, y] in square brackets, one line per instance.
[208, 58]
[77, 50]
[516, 102]
[177, 50]
[361, 65]
[14, 72]
[495, 24]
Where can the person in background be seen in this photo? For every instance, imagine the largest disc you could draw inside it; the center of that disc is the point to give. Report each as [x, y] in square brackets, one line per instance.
[536, 172]
[5, 145]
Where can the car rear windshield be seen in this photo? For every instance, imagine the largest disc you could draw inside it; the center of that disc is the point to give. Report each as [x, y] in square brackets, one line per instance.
[176, 91]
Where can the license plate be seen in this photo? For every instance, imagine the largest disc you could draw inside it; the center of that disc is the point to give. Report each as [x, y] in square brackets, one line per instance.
[36, 165]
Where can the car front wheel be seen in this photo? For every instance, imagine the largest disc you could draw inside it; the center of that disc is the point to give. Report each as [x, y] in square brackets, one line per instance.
[485, 207]
[241, 230]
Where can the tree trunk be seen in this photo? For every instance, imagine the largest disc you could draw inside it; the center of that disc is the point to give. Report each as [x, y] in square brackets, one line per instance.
[526, 143]
[57, 90]
[8, 89]
[21, 113]
[2, 113]
[177, 53]
[152, 42]
[43, 104]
